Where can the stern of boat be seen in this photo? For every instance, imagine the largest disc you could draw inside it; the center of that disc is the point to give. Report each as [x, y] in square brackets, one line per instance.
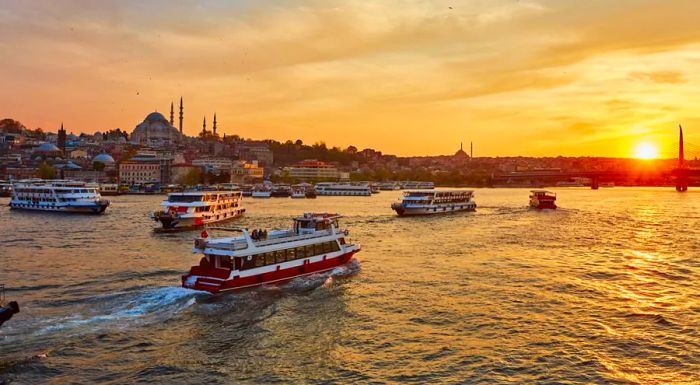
[398, 207]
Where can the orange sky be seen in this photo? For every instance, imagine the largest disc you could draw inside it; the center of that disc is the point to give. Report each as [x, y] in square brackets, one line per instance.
[405, 77]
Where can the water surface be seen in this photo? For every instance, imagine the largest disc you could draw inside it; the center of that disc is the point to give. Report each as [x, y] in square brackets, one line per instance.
[604, 290]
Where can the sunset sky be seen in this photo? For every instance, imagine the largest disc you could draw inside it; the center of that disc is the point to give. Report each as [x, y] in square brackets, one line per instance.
[521, 77]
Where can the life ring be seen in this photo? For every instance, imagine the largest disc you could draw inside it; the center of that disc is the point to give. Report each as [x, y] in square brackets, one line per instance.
[204, 234]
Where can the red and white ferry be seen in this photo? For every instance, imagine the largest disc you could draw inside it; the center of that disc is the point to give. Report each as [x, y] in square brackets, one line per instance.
[543, 199]
[315, 244]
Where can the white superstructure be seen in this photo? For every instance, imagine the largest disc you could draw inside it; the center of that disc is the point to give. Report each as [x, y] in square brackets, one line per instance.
[343, 189]
[421, 202]
[57, 195]
[185, 210]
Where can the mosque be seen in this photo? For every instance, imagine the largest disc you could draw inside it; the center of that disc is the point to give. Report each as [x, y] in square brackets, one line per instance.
[156, 130]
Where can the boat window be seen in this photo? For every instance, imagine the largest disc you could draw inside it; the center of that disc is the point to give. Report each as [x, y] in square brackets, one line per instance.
[259, 259]
[291, 255]
[269, 258]
[225, 262]
[300, 252]
[280, 256]
[184, 198]
[327, 248]
[310, 251]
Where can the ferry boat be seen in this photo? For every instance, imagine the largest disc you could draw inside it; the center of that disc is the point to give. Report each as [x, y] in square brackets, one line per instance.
[416, 185]
[58, 196]
[343, 189]
[281, 191]
[419, 202]
[374, 188]
[261, 191]
[191, 209]
[542, 199]
[247, 190]
[314, 244]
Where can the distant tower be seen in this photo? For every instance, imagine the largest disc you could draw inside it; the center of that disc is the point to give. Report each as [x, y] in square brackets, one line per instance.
[204, 126]
[172, 114]
[62, 139]
[471, 149]
[180, 115]
[214, 126]
[461, 147]
[681, 152]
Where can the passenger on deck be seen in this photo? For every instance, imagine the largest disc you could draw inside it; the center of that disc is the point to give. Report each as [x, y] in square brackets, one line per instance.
[264, 234]
[254, 235]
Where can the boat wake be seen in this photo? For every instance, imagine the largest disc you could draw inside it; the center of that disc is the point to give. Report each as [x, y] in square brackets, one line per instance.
[141, 306]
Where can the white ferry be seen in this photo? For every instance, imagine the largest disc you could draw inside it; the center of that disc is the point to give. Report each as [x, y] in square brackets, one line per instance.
[315, 244]
[298, 192]
[343, 189]
[58, 195]
[416, 185]
[191, 209]
[435, 202]
[389, 186]
[109, 189]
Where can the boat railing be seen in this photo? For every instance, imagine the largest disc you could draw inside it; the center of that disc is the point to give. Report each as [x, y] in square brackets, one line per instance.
[291, 238]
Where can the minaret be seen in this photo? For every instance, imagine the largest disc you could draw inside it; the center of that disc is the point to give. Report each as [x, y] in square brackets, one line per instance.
[461, 147]
[214, 127]
[180, 115]
[471, 149]
[681, 152]
[62, 138]
[204, 126]
[172, 114]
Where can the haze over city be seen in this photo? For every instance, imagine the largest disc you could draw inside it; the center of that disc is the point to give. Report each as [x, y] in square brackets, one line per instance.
[539, 78]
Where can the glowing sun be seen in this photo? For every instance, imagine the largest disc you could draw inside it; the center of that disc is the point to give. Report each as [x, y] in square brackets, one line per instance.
[646, 150]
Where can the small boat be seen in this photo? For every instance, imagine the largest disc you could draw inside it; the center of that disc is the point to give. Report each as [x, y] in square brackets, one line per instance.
[298, 192]
[7, 310]
[109, 189]
[5, 189]
[261, 191]
[543, 199]
[58, 196]
[192, 209]
[247, 190]
[314, 244]
[420, 202]
[281, 191]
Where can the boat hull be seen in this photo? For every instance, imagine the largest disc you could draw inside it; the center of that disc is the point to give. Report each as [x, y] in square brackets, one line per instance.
[402, 210]
[217, 283]
[174, 223]
[97, 208]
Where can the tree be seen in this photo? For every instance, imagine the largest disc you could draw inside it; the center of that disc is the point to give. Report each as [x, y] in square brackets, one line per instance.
[193, 177]
[45, 171]
[11, 126]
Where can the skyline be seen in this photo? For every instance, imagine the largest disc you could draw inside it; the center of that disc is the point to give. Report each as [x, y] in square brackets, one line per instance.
[553, 78]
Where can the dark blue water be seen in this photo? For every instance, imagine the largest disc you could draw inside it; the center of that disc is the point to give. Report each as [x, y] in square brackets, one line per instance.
[604, 290]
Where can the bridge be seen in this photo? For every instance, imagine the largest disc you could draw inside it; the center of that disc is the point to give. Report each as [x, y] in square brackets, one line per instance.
[680, 175]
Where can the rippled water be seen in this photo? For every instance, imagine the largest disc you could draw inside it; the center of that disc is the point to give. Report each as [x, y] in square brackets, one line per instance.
[604, 290]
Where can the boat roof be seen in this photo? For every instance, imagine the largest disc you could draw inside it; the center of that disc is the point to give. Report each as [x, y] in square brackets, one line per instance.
[426, 191]
[542, 191]
[317, 217]
[196, 193]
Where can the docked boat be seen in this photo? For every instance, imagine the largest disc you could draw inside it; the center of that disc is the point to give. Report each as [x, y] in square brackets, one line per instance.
[418, 202]
[389, 186]
[343, 189]
[58, 196]
[298, 192]
[374, 188]
[542, 199]
[247, 190]
[261, 191]
[109, 189]
[281, 191]
[192, 209]
[314, 244]
[5, 189]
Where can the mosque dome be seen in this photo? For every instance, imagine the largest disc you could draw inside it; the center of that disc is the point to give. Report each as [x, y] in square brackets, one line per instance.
[155, 130]
[104, 158]
[46, 148]
[461, 154]
[155, 117]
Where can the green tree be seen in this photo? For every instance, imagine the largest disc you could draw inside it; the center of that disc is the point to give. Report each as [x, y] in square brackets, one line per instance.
[45, 171]
[193, 177]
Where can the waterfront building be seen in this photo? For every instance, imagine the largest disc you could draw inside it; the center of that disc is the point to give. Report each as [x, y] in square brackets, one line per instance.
[140, 171]
[246, 172]
[312, 170]
[251, 151]
[214, 164]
